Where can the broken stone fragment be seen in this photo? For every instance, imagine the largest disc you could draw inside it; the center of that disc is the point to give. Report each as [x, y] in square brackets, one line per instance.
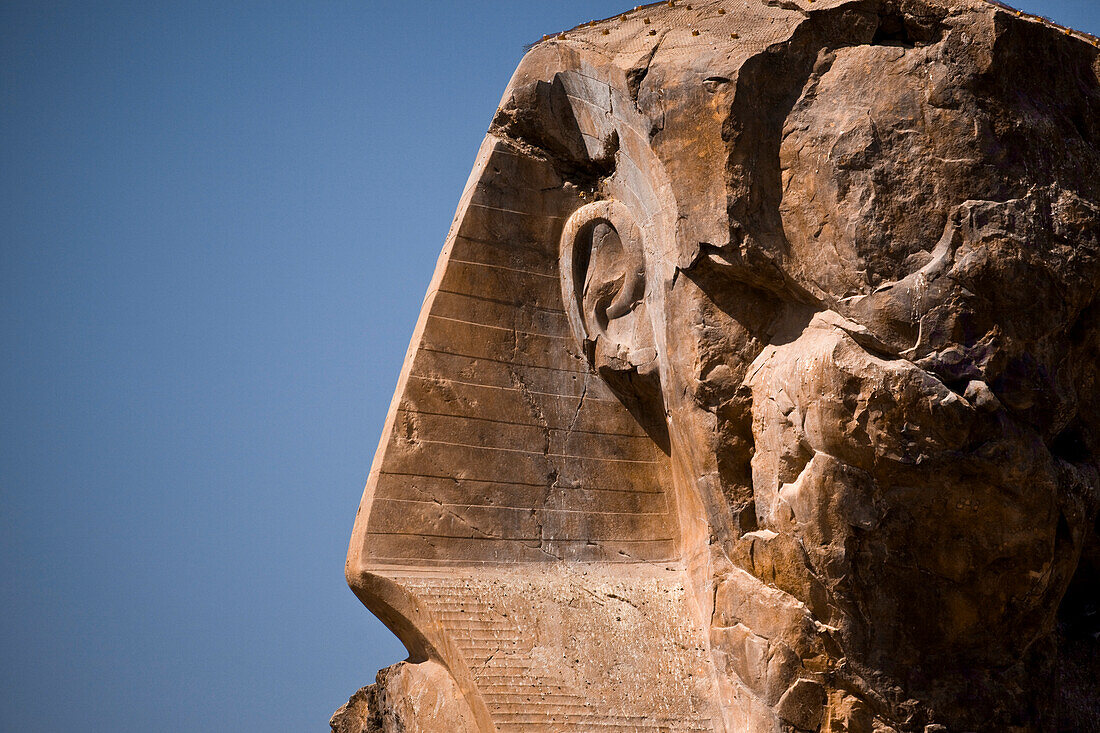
[406, 698]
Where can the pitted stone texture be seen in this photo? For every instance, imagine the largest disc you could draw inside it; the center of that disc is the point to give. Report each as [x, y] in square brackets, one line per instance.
[577, 647]
[757, 386]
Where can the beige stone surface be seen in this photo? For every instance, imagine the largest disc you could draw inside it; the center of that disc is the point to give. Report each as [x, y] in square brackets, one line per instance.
[407, 698]
[756, 386]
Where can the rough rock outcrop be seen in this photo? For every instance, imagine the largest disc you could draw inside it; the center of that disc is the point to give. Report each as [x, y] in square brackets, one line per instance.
[756, 388]
[407, 698]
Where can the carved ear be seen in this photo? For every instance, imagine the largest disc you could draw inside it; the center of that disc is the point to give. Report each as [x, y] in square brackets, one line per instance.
[604, 289]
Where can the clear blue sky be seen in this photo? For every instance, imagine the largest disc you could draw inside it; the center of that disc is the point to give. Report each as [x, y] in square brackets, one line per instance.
[217, 224]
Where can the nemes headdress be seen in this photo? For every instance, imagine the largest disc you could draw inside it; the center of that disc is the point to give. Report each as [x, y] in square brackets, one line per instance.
[517, 508]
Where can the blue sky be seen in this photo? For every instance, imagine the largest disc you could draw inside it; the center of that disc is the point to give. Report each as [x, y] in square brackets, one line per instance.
[218, 222]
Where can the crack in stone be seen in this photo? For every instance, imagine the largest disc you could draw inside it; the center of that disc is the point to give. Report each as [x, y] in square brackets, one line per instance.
[637, 75]
[459, 517]
[580, 404]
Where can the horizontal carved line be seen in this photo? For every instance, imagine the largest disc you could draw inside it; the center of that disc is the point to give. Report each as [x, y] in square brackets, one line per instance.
[544, 251]
[524, 508]
[532, 695]
[385, 563]
[502, 267]
[512, 211]
[640, 436]
[498, 301]
[497, 328]
[506, 361]
[633, 723]
[537, 540]
[517, 483]
[534, 452]
[508, 389]
[609, 718]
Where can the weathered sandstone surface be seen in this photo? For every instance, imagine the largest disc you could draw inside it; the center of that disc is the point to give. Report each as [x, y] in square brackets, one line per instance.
[757, 386]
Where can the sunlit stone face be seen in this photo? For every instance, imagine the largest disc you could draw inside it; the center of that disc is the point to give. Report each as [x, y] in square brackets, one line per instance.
[760, 370]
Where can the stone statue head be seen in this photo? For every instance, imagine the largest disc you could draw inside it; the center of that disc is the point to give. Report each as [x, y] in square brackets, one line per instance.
[756, 387]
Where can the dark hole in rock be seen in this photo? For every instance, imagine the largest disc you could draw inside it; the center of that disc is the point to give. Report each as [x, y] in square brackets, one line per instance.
[1079, 125]
[1078, 635]
[746, 518]
[1070, 445]
[713, 83]
[892, 31]
[1079, 612]
[906, 30]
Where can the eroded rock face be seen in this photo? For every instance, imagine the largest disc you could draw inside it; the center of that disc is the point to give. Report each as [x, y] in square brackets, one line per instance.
[407, 698]
[756, 388]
